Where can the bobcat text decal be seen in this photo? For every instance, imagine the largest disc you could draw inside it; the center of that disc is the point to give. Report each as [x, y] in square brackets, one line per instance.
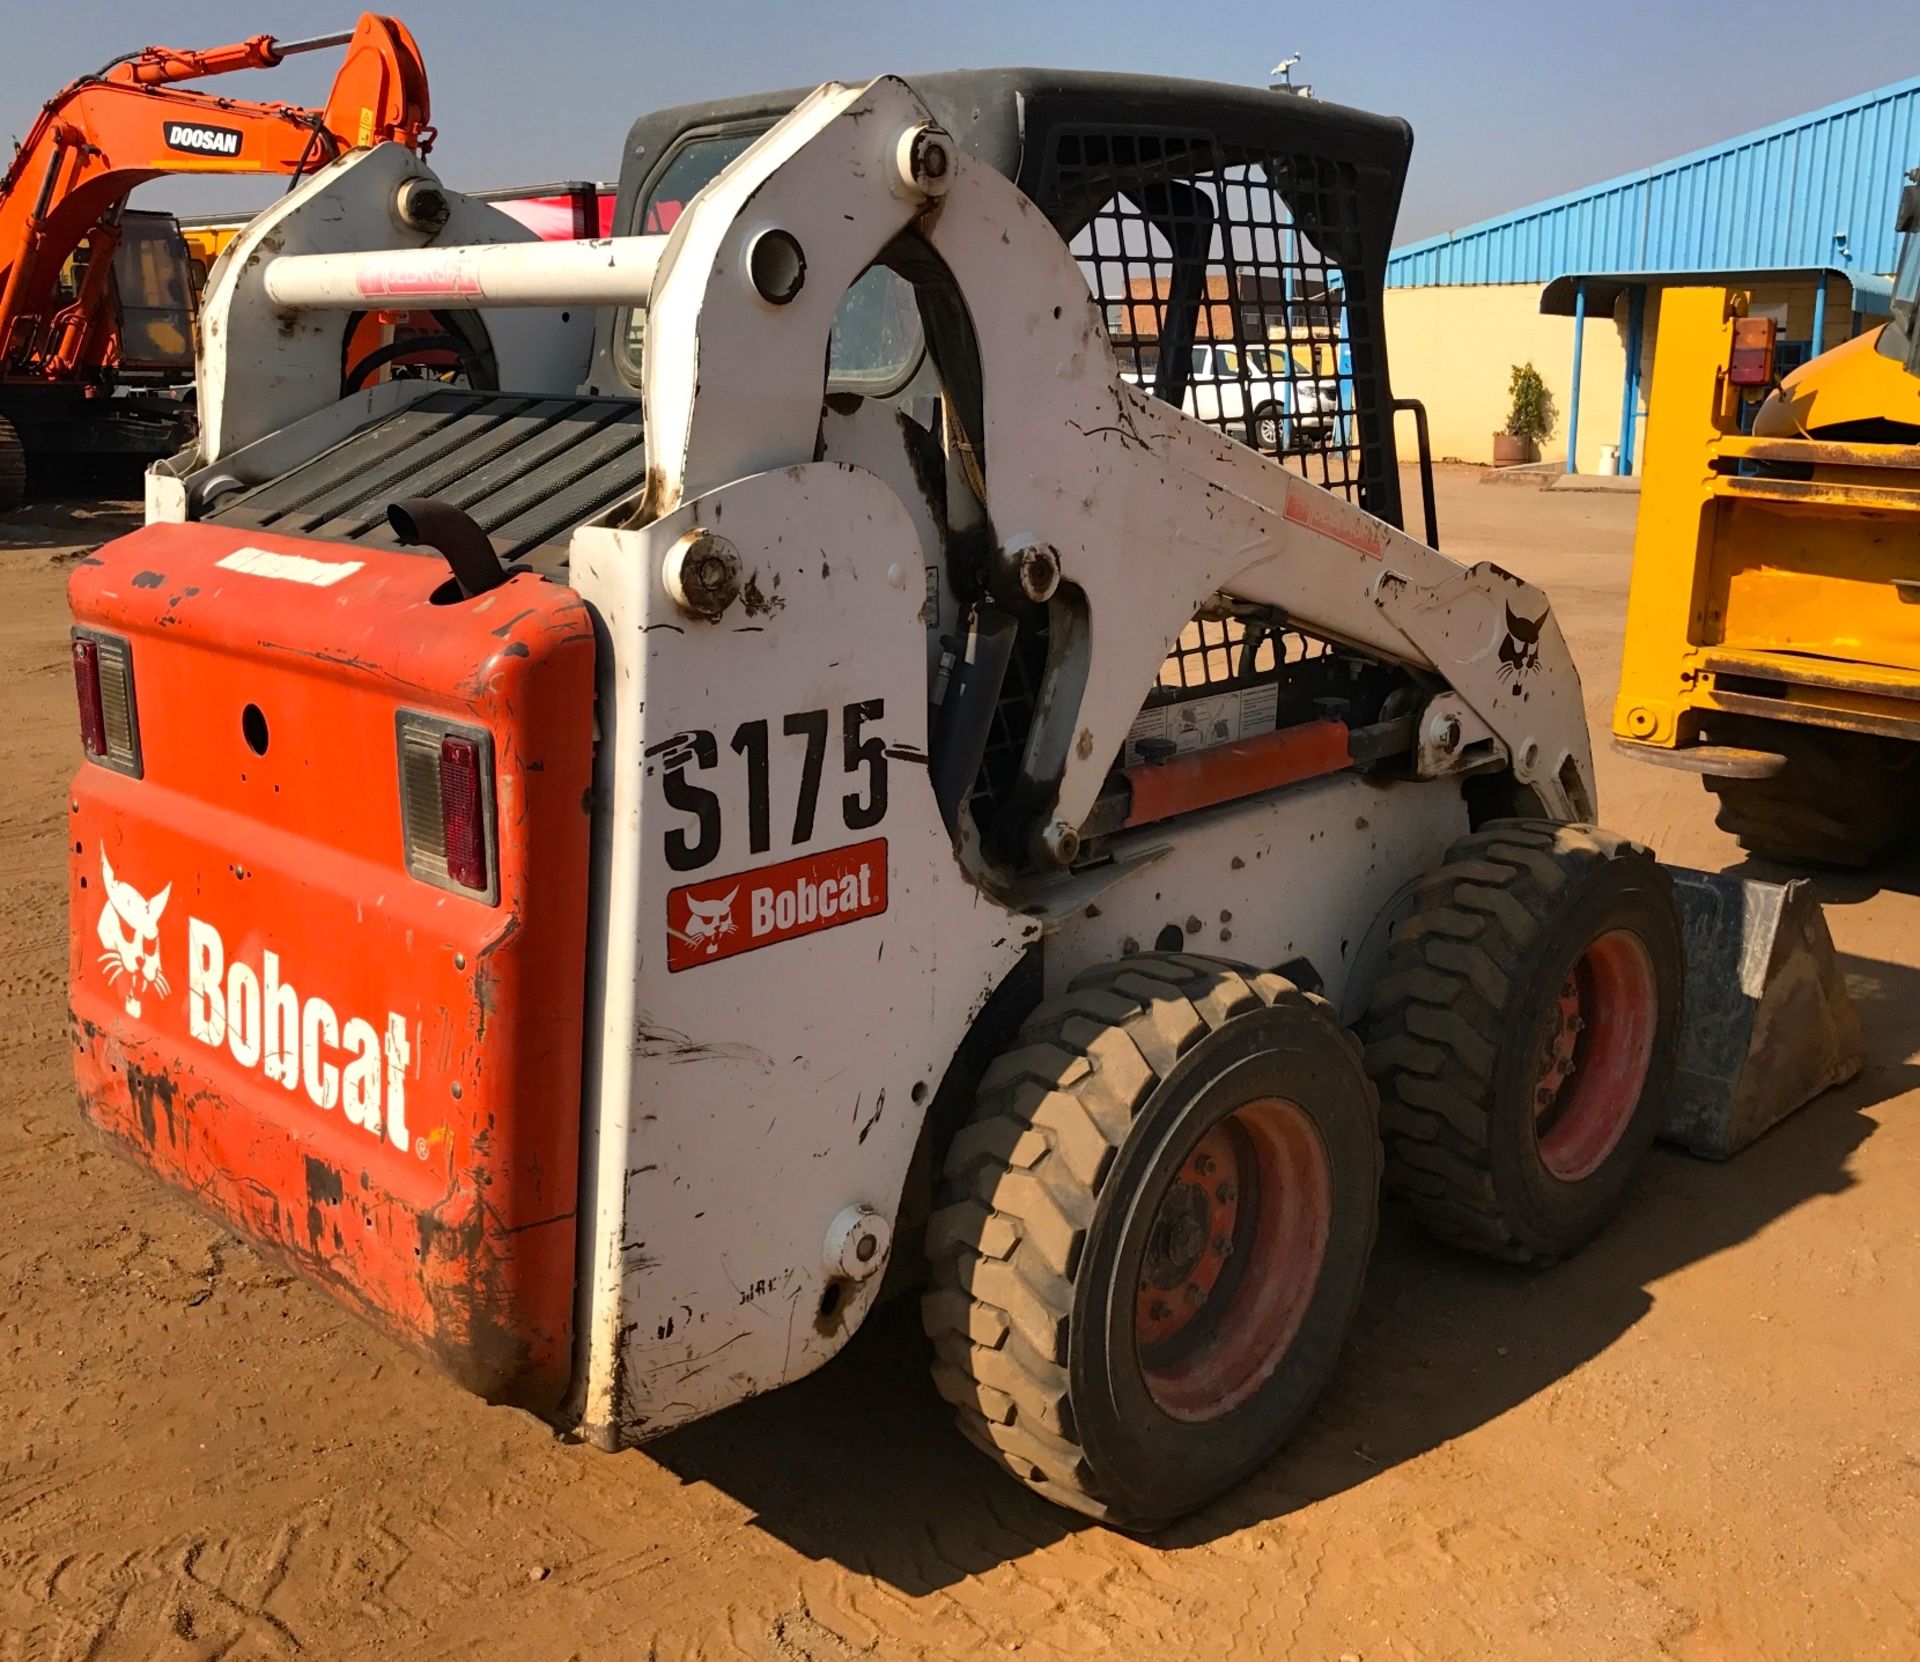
[296, 1042]
[727, 915]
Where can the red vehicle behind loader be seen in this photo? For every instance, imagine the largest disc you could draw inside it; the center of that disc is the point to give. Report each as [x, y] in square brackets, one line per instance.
[125, 318]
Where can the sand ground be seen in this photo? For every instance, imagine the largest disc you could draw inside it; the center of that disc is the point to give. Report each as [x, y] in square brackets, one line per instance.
[1700, 1440]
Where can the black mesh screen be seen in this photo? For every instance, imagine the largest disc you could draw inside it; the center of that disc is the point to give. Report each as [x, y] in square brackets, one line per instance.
[1211, 268]
[1216, 652]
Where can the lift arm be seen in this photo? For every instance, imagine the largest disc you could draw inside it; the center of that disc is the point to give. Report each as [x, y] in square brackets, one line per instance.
[107, 133]
[1143, 511]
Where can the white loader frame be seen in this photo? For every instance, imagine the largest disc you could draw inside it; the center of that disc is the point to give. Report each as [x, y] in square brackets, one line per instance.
[753, 1114]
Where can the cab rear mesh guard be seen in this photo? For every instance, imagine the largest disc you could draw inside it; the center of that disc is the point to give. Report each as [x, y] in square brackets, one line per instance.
[1221, 300]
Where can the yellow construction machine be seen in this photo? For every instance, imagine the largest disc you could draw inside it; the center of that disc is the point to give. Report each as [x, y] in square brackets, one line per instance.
[1773, 632]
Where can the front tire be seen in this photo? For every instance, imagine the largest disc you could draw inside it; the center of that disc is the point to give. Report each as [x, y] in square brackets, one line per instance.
[1843, 799]
[1269, 431]
[1524, 1036]
[1152, 1235]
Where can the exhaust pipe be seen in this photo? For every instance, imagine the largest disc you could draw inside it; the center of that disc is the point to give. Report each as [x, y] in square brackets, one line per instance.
[421, 521]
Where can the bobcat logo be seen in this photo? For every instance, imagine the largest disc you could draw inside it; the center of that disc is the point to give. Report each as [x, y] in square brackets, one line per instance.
[1520, 649]
[130, 934]
[708, 922]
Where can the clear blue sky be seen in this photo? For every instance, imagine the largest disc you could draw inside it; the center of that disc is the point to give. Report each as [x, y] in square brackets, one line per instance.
[1508, 102]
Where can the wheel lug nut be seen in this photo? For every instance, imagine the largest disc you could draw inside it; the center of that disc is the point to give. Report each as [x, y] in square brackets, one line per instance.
[1222, 1246]
[1196, 1294]
[1224, 1193]
[1159, 1310]
[1204, 1165]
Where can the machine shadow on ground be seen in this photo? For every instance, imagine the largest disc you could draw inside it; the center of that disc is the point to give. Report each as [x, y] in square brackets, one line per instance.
[54, 521]
[1899, 875]
[859, 1464]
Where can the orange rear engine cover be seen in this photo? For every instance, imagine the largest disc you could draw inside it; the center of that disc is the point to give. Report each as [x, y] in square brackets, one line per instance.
[376, 1078]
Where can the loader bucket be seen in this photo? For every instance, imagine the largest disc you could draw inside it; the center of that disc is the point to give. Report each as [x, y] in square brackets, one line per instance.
[1769, 1022]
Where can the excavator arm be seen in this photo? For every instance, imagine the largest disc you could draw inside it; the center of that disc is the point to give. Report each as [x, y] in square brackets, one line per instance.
[108, 133]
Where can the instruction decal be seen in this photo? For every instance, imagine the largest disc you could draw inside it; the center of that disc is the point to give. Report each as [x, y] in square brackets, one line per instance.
[289, 568]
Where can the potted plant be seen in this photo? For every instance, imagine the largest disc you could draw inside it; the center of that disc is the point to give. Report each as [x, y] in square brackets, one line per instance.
[1529, 418]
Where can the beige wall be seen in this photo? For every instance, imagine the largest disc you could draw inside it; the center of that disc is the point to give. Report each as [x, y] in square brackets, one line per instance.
[1454, 349]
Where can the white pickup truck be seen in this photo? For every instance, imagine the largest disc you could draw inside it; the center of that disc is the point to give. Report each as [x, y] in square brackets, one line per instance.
[1256, 394]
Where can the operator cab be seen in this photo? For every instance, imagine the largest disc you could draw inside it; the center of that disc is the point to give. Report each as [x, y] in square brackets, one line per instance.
[1865, 390]
[153, 286]
[1234, 238]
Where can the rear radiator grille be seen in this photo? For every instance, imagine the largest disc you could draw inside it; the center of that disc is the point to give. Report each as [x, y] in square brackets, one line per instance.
[527, 469]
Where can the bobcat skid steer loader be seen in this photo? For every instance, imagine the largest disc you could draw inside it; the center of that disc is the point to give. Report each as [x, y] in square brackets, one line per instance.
[800, 768]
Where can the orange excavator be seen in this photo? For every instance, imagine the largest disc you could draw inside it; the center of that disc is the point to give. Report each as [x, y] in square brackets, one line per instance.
[96, 300]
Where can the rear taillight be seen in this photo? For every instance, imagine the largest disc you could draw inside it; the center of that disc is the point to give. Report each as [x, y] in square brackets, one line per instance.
[446, 804]
[1750, 364]
[86, 683]
[463, 820]
[103, 684]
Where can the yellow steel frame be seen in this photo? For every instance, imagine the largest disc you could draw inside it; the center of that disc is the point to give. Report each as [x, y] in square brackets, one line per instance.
[1790, 589]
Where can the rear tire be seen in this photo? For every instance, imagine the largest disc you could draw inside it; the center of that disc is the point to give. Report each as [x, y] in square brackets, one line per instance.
[1524, 1036]
[13, 468]
[1269, 430]
[1152, 1234]
[1843, 799]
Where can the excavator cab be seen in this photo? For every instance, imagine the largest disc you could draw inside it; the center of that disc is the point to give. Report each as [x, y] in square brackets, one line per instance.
[144, 307]
[80, 314]
[152, 311]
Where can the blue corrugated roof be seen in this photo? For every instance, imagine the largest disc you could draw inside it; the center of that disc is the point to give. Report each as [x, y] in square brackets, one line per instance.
[1817, 190]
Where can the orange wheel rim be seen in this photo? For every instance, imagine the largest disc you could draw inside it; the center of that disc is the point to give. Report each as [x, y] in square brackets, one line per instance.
[1231, 1259]
[1594, 1054]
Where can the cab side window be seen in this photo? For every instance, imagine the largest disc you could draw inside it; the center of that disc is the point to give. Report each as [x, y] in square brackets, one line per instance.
[877, 342]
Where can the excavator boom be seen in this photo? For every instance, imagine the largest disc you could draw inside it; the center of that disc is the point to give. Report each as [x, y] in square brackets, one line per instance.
[108, 133]
[154, 66]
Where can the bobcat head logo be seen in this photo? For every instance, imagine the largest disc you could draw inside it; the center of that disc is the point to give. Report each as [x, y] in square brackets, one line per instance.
[708, 921]
[130, 936]
[1520, 648]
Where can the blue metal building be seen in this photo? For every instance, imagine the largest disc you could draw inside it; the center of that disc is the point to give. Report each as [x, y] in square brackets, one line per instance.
[1811, 200]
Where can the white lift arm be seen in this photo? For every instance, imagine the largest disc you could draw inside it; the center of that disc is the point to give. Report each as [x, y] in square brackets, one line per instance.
[1148, 511]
